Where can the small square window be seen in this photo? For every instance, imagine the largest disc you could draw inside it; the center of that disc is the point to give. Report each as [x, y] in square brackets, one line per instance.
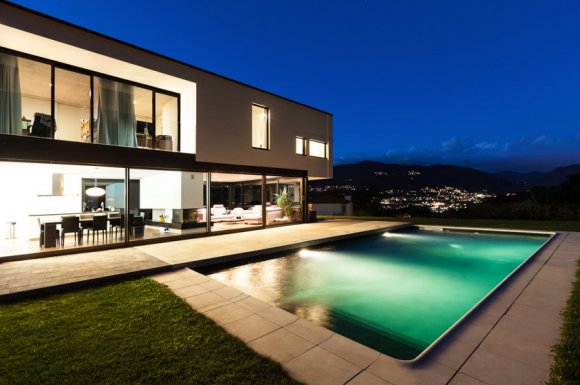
[260, 127]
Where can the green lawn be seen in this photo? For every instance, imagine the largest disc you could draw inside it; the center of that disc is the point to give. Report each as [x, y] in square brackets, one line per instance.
[134, 332]
[494, 223]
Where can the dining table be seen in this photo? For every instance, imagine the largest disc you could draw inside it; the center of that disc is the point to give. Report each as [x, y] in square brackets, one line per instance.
[50, 229]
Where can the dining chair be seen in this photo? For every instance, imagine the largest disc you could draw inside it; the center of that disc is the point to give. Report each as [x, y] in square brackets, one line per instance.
[100, 224]
[43, 233]
[70, 225]
[86, 223]
[115, 221]
[131, 223]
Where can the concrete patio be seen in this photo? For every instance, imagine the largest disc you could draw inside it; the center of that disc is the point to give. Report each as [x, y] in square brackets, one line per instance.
[506, 341]
[27, 277]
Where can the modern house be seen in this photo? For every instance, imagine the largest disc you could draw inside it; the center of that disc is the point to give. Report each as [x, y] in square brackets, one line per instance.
[104, 144]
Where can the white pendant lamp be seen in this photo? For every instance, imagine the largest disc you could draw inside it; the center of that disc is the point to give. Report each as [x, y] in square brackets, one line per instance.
[95, 191]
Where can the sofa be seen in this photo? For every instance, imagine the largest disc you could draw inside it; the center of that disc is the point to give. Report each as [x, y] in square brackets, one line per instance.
[254, 215]
[219, 213]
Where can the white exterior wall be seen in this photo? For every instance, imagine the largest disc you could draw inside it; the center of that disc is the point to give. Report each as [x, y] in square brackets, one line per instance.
[172, 190]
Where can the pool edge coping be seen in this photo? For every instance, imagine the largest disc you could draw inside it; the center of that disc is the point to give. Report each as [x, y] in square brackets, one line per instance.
[352, 236]
[551, 236]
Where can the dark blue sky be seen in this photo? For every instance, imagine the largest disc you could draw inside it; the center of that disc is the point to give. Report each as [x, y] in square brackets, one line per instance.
[489, 84]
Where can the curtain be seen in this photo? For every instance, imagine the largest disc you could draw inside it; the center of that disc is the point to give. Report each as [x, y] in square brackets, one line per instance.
[10, 99]
[116, 121]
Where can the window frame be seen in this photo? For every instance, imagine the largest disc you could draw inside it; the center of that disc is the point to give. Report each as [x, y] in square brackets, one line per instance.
[267, 110]
[304, 146]
[67, 67]
[317, 141]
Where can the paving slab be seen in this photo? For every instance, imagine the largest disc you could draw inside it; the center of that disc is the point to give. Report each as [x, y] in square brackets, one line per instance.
[190, 291]
[281, 345]
[278, 316]
[318, 366]
[397, 372]
[365, 378]
[251, 327]
[202, 300]
[464, 379]
[309, 331]
[228, 313]
[495, 369]
[518, 348]
[355, 353]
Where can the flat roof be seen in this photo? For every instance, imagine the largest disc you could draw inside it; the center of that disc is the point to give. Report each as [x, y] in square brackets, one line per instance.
[157, 54]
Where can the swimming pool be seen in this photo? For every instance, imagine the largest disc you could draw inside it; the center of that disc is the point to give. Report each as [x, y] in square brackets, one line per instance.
[396, 292]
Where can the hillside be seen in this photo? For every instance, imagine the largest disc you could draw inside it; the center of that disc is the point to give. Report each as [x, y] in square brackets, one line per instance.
[404, 177]
[535, 178]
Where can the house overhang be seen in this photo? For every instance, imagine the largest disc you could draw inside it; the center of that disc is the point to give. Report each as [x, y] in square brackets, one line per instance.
[14, 148]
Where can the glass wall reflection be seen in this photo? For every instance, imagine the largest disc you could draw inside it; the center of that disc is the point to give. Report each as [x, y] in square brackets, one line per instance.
[166, 122]
[72, 106]
[25, 95]
[165, 203]
[285, 197]
[235, 201]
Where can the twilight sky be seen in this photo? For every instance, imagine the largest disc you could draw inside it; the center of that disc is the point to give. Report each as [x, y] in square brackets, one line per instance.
[489, 84]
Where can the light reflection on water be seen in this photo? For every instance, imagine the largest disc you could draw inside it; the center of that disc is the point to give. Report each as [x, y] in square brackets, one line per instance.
[396, 294]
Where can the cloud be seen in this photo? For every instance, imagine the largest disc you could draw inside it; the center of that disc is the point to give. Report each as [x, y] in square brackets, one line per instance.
[540, 139]
[541, 153]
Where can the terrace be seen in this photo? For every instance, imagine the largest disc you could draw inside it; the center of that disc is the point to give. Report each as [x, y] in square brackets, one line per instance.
[508, 340]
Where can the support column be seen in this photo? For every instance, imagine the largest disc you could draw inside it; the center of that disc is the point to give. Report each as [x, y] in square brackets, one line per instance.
[305, 199]
[263, 201]
[207, 203]
[127, 192]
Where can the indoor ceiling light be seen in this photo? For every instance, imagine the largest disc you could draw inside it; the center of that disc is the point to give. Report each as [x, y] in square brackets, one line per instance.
[95, 191]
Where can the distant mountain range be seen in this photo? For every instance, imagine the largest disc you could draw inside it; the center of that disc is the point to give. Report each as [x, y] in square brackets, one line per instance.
[535, 178]
[404, 177]
[410, 177]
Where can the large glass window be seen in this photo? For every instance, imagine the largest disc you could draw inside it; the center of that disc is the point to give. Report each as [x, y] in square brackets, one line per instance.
[316, 148]
[50, 207]
[114, 113]
[25, 97]
[260, 127]
[166, 203]
[166, 122]
[122, 114]
[72, 105]
[235, 201]
[284, 200]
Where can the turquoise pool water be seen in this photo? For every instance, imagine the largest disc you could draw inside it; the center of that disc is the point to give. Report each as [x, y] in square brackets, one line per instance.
[396, 292]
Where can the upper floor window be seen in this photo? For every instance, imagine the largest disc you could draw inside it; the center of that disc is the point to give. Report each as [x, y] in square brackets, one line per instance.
[316, 148]
[46, 100]
[72, 105]
[25, 97]
[300, 146]
[260, 127]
